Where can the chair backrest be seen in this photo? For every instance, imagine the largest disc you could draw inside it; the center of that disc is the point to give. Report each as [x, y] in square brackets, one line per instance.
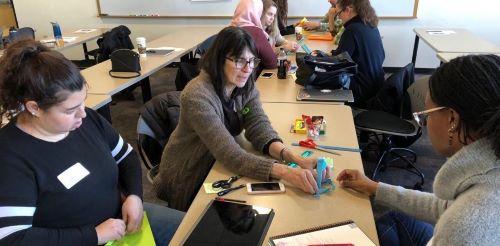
[393, 97]
[157, 121]
[21, 33]
[205, 45]
[417, 92]
[116, 38]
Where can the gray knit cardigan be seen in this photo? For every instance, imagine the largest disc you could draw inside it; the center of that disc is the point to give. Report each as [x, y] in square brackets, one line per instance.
[201, 138]
[465, 205]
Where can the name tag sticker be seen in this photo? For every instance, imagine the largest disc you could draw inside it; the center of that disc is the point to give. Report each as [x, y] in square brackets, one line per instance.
[73, 175]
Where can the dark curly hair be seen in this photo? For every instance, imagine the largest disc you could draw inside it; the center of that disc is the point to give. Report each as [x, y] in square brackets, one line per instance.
[470, 85]
[32, 71]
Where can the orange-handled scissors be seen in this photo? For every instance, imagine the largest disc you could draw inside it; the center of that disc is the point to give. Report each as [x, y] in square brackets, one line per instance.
[309, 143]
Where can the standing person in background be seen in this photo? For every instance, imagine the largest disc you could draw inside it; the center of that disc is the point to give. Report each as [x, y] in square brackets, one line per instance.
[217, 106]
[247, 16]
[270, 25]
[462, 118]
[282, 17]
[66, 176]
[361, 39]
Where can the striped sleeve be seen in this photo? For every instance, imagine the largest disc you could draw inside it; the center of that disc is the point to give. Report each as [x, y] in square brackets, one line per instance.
[129, 166]
[18, 196]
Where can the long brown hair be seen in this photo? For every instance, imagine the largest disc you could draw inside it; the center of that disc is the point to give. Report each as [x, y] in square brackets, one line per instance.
[363, 8]
[282, 14]
[272, 29]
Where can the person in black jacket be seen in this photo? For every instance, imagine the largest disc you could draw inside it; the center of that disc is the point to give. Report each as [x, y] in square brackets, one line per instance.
[361, 39]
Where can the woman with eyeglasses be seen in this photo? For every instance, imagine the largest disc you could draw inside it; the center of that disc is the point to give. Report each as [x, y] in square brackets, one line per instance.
[361, 39]
[217, 106]
[247, 16]
[462, 117]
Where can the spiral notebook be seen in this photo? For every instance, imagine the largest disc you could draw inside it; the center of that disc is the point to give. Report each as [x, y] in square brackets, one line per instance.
[346, 233]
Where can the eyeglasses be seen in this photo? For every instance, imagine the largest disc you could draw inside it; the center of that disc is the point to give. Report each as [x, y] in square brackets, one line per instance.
[242, 62]
[421, 117]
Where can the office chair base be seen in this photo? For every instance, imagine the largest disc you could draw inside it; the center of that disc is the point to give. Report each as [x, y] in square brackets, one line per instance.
[386, 157]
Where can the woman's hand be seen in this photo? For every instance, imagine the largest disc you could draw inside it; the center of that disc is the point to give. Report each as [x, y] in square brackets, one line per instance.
[310, 25]
[299, 177]
[357, 181]
[110, 230]
[291, 46]
[306, 162]
[132, 212]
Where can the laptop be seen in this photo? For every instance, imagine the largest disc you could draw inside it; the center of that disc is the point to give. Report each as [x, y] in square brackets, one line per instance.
[324, 95]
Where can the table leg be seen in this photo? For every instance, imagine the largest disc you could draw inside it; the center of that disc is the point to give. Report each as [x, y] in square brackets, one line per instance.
[105, 112]
[85, 50]
[146, 89]
[415, 49]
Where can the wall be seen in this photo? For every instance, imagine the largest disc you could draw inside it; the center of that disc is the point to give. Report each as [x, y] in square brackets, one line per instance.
[479, 16]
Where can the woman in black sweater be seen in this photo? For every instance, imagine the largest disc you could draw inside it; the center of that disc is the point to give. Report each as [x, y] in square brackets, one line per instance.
[361, 39]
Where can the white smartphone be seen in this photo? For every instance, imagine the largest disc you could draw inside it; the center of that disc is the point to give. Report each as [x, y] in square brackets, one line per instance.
[265, 188]
[266, 75]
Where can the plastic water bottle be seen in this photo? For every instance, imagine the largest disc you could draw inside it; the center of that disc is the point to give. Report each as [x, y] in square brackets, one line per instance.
[57, 34]
[282, 64]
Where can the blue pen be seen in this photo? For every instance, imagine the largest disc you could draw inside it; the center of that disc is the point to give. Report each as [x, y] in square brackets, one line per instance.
[334, 148]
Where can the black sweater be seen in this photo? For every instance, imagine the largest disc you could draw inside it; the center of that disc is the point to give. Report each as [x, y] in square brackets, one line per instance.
[37, 205]
[364, 44]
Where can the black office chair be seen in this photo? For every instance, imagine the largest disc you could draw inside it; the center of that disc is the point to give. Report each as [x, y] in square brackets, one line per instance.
[393, 128]
[116, 38]
[157, 121]
[189, 69]
[20, 34]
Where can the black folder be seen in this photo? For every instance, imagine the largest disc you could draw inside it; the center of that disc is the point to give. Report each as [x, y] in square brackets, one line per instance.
[228, 223]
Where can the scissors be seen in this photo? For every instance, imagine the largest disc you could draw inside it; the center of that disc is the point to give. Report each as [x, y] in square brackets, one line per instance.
[225, 184]
[222, 193]
[309, 143]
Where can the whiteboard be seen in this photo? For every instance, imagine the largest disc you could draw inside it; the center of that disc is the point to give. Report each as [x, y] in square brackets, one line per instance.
[225, 8]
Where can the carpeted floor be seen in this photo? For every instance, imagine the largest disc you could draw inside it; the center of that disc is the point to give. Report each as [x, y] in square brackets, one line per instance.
[125, 113]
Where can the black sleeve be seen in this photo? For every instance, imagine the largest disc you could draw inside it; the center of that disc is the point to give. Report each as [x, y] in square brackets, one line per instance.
[129, 166]
[131, 175]
[347, 43]
[268, 144]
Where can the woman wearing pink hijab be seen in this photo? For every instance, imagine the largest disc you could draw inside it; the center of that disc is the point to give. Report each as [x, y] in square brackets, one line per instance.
[247, 16]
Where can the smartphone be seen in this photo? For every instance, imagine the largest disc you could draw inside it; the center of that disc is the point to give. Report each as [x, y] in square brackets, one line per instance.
[266, 75]
[265, 188]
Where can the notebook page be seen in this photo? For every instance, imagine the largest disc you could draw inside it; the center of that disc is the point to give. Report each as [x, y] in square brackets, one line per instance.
[342, 234]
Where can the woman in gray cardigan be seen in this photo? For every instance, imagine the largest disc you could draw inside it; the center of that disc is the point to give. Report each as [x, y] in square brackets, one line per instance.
[463, 123]
[215, 107]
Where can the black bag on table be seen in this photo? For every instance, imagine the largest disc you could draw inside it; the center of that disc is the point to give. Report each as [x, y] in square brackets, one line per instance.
[326, 72]
[125, 60]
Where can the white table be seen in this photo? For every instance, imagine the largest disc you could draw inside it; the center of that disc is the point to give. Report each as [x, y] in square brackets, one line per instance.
[187, 38]
[296, 210]
[452, 40]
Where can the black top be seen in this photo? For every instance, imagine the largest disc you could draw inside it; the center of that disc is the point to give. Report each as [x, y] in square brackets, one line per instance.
[39, 206]
[364, 44]
[231, 117]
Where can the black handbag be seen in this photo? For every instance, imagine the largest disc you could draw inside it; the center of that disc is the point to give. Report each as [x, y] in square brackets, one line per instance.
[328, 72]
[124, 60]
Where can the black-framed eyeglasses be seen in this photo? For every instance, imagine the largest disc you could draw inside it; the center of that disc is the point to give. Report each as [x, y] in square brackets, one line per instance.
[421, 117]
[242, 62]
[340, 11]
